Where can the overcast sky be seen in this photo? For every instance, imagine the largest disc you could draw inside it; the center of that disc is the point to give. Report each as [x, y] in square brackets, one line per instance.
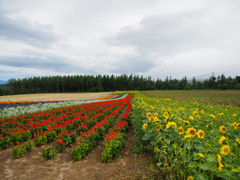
[155, 38]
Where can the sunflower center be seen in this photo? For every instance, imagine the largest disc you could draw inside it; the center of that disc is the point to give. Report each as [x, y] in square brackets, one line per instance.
[192, 132]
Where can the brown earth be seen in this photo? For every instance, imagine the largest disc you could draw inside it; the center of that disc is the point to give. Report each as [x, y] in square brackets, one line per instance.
[49, 96]
[32, 166]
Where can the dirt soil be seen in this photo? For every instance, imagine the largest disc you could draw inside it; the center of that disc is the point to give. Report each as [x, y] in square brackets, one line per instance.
[32, 166]
[49, 96]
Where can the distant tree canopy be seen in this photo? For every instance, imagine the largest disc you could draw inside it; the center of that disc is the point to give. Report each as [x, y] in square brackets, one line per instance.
[90, 83]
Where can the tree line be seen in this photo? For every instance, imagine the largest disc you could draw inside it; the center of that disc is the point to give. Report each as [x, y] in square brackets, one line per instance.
[90, 83]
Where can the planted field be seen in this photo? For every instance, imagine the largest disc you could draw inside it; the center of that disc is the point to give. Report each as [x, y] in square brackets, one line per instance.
[70, 142]
[49, 96]
[190, 140]
[212, 96]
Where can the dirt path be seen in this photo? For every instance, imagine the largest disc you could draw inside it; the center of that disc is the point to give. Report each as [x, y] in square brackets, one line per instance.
[32, 166]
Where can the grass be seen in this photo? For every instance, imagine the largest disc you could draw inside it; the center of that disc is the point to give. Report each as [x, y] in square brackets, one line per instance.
[231, 97]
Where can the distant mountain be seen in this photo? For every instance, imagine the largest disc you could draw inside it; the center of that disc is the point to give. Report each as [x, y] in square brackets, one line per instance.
[3, 82]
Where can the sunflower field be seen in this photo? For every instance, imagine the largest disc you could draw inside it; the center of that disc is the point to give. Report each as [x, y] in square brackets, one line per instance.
[190, 140]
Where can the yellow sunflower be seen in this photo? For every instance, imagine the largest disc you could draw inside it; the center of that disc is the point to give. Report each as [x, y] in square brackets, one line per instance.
[168, 125]
[197, 116]
[202, 111]
[234, 115]
[166, 115]
[144, 126]
[158, 127]
[220, 165]
[225, 150]
[222, 139]
[179, 119]
[200, 134]
[156, 114]
[174, 124]
[235, 125]
[190, 117]
[190, 178]
[237, 141]
[213, 116]
[191, 131]
[201, 155]
[223, 129]
[181, 130]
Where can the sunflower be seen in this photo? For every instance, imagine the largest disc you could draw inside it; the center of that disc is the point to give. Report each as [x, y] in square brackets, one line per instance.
[212, 116]
[144, 126]
[200, 134]
[235, 125]
[190, 117]
[201, 155]
[179, 119]
[222, 139]
[166, 115]
[187, 136]
[158, 127]
[223, 129]
[191, 131]
[181, 130]
[156, 114]
[225, 150]
[190, 178]
[220, 165]
[174, 124]
[155, 119]
[186, 122]
[234, 115]
[180, 108]
[197, 116]
[148, 115]
[237, 141]
[168, 125]
[202, 111]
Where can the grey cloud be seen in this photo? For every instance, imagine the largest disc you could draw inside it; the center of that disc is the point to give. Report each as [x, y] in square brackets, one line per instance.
[164, 34]
[50, 63]
[23, 30]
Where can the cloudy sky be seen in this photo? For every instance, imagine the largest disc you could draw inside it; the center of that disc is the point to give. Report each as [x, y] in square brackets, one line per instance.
[155, 38]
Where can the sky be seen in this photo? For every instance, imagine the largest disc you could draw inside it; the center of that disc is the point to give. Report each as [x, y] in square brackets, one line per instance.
[156, 38]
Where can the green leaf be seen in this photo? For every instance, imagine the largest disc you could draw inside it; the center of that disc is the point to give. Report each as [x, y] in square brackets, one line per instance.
[211, 157]
[204, 166]
[202, 176]
[146, 136]
[192, 165]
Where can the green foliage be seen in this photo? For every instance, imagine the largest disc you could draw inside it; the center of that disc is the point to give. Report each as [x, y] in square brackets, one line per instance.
[40, 140]
[81, 129]
[16, 138]
[18, 151]
[60, 145]
[48, 152]
[5, 142]
[28, 145]
[112, 148]
[80, 151]
[237, 86]
[51, 136]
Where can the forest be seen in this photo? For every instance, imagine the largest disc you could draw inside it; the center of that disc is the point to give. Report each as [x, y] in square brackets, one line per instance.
[98, 83]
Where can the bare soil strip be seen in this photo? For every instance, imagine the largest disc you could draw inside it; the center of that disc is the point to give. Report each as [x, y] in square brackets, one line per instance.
[32, 166]
[49, 96]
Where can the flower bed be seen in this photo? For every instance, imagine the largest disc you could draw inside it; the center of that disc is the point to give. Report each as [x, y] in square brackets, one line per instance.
[189, 139]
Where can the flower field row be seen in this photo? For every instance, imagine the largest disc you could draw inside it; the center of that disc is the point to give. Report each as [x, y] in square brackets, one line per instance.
[115, 140]
[22, 127]
[189, 139]
[86, 124]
